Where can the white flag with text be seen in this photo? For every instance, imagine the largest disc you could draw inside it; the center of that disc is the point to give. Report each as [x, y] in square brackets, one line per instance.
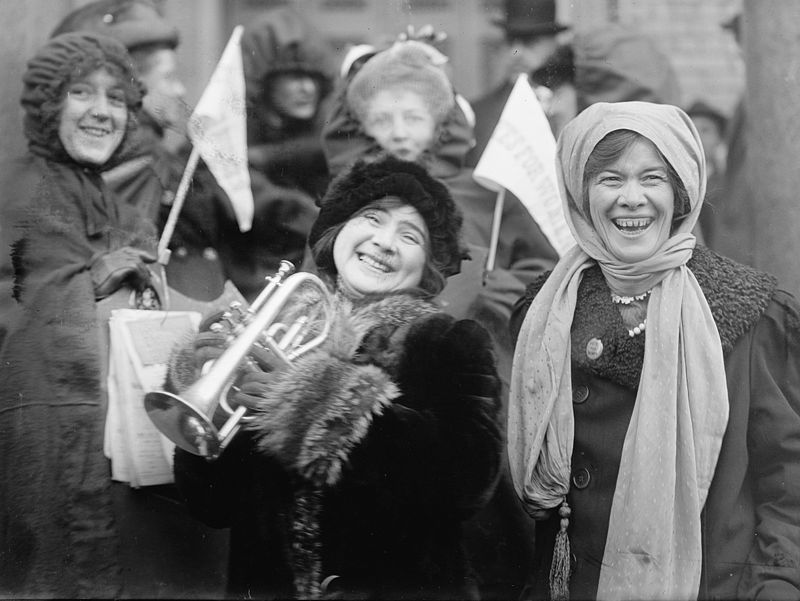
[218, 130]
[520, 157]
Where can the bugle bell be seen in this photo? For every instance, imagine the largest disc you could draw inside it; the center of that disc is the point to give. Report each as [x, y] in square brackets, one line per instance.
[187, 420]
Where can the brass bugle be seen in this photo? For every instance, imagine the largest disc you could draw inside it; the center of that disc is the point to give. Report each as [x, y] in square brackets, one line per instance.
[187, 419]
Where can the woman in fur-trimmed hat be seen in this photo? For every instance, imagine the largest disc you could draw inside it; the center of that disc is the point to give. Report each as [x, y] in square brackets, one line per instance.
[366, 455]
[401, 102]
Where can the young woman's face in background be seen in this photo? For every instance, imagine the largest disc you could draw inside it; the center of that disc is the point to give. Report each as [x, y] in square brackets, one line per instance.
[93, 118]
[382, 249]
[632, 202]
[294, 95]
[400, 122]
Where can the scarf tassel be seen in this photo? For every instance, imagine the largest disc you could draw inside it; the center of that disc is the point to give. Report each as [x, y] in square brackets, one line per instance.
[560, 568]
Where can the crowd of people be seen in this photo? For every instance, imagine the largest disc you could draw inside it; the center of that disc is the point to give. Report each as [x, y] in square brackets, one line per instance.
[621, 421]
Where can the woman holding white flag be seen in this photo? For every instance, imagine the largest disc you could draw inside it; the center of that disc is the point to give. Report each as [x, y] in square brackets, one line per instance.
[654, 416]
[67, 244]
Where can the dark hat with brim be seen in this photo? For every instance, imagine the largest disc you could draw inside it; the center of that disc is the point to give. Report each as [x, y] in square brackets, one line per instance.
[530, 18]
[529, 29]
[135, 23]
[557, 70]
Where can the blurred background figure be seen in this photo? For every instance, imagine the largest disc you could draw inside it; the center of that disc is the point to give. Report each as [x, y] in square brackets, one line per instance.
[287, 77]
[557, 76]
[711, 124]
[618, 64]
[531, 36]
[731, 219]
[611, 63]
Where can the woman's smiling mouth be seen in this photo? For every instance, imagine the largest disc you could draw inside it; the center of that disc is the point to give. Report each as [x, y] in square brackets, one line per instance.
[632, 227]
[374, 263]
[97, 132]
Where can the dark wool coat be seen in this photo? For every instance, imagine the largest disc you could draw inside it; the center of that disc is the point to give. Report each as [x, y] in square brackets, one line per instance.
[751, 519]
[377, 449]
[57, 533]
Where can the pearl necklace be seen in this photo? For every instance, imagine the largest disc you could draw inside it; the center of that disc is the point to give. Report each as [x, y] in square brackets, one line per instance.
[627, 300]
[638, 329]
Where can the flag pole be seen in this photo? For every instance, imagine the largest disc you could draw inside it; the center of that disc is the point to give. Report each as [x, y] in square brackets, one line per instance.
[177, 205]
[169, 228]
[495, 238]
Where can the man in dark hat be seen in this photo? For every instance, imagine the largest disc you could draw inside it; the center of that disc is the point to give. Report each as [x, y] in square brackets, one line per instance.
[531, 33]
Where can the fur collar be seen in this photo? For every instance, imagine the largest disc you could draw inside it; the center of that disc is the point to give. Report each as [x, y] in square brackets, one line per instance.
[737, 295]
[320, 408]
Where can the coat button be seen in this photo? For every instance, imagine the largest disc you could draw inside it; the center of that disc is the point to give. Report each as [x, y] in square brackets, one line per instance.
[580, 393]
[182, 252]
[210, 254]
[581, 478]
[594, 348]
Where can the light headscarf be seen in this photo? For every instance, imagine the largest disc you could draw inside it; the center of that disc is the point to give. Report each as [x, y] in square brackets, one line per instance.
[653, 548]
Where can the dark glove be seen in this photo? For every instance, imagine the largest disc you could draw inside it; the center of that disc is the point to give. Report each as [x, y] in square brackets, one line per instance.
[124, 266]
[449, 359]
[209, 345]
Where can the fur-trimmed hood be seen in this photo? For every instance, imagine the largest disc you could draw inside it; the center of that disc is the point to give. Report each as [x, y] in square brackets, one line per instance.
[736, 294]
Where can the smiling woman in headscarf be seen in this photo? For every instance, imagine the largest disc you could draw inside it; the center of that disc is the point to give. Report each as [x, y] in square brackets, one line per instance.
[654, 419]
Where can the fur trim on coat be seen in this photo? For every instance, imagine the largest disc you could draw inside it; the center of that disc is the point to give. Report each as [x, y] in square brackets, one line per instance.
[737, 295]
[323, 405]
[399, 398]
[320, 409]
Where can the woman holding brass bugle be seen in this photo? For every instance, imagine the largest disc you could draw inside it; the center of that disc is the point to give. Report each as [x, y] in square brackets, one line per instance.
[364, 456]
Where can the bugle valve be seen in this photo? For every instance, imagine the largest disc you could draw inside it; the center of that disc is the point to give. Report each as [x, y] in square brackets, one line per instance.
[188, 419]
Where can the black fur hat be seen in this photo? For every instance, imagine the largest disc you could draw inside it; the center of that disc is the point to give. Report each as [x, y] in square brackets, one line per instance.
[367, 181]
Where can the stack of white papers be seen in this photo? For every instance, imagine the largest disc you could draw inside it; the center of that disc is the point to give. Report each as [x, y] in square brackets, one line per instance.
[141, 342]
